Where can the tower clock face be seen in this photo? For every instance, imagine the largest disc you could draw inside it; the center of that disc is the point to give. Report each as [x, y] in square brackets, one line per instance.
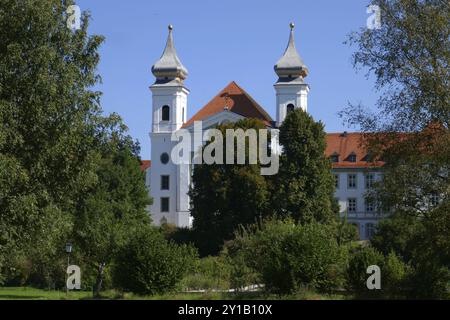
[164, 158]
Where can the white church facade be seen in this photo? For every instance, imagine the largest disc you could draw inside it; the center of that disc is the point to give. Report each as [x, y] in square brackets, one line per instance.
[169, 183]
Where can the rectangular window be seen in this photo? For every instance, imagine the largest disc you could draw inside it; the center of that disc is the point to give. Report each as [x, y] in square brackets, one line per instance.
[336, 181]
[434, 199]
[165, 182]
[352, 205]
[370, 179]
[370, 230]
[369, 206]
[351, 179]
[352, 158]
[165, 205]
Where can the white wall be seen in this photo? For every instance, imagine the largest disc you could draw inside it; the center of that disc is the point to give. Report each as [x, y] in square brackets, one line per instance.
[361, 218]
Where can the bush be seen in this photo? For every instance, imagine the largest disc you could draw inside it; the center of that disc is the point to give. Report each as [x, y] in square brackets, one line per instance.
[398, 234]
[148, 264]
[394, 275]
[290, 256]
[242, 274]
[429, 280]
[209, 273]
[357, 270]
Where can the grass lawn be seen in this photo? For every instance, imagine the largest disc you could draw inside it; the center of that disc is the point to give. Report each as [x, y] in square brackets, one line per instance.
[26, 293]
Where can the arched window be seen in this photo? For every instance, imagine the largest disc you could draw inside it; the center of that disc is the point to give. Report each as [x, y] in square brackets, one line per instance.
[165, 113]
[290, 107]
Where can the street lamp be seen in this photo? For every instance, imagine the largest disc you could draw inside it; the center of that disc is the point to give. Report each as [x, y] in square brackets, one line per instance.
[68, 251]
[68, 247]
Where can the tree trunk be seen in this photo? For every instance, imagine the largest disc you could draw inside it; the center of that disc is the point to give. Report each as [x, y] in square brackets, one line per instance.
[99, 280]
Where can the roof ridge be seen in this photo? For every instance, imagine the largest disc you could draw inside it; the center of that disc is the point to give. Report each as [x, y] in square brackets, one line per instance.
[257, 105]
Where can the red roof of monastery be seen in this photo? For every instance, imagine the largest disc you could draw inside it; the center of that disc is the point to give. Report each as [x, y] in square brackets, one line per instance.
[145, 164]
[344, 145]
[234, 99]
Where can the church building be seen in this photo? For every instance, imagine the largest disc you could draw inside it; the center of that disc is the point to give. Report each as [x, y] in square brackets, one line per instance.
[169, 183]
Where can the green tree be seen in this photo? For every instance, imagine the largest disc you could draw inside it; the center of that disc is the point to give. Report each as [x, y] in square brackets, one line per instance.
[226, 196]
[47, 113]
[115, 207]
[357, 275]
[409, 56]
[304, 187]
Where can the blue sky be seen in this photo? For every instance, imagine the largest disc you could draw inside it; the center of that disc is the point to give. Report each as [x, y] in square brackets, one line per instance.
[221, 41]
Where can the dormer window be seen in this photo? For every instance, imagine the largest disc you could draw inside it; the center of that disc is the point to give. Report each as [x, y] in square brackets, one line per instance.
[165, 113]
[334, 157]
[352, 157]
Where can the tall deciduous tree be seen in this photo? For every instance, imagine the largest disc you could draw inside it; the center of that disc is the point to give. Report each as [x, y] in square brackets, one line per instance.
[304, 187]
[225, 196]
[114, 208]
[409, 56]
[47, 114]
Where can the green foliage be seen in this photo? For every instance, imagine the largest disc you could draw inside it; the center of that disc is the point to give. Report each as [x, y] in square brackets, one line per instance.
[346, 232]
[289, 256]
[424, 245]
[236, 254]
[396, 234]
[356, 273]
[226, 196]
[209, 273]
[409, 56]
[429, 280]
[148, 264]
[66, 171]
[394, 277]
[47, 112]
[304, 187]
[115, 207]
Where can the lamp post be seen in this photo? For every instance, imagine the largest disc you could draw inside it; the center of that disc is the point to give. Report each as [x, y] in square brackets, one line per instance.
[68, 251]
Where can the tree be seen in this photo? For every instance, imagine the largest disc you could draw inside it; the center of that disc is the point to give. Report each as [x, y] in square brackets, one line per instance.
[304, 187]
[47, 112]
[409, 130]
[226, 196]
[115, 207]
[409, 55]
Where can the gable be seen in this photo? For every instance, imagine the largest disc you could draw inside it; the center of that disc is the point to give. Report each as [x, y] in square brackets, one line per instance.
[232, 99]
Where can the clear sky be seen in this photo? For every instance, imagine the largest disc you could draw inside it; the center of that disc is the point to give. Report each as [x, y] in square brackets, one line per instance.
[221, 41]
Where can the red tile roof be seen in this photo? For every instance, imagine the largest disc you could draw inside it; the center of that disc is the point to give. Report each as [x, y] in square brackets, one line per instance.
[236, 100]
[346, 144]
[145, 164]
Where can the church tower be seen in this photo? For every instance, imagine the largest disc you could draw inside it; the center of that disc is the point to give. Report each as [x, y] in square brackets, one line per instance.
[169, 106]
[291, 89]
